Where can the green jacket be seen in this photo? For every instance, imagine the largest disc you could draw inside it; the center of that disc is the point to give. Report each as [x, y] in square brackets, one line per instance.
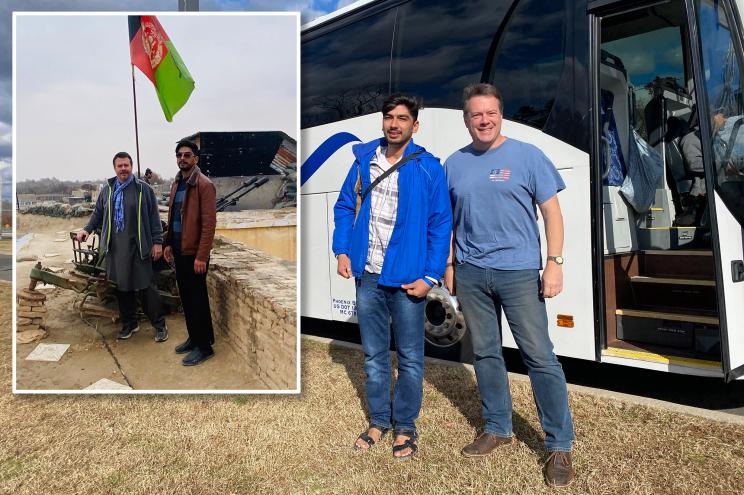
[149, 228]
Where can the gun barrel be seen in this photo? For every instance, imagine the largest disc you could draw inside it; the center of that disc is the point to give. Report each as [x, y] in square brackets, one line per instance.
[232, 198]
[250, 181]
[243, 185]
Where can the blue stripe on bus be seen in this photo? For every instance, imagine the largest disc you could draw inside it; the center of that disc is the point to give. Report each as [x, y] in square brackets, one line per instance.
[323, 153]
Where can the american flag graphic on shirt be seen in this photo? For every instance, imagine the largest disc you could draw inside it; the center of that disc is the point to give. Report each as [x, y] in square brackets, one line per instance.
[499, 175]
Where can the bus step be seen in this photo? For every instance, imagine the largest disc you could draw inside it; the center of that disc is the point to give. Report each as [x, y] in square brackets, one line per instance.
[689, 263]
[654, 217]
[692, 332]
[670, 292]
[669, 237]
[661, 357]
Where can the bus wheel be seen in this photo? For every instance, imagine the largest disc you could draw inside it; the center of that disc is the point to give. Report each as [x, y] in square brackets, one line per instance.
[445, 329]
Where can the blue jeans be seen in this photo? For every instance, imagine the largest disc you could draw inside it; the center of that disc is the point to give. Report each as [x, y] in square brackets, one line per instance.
[376, 305]
[482, 293]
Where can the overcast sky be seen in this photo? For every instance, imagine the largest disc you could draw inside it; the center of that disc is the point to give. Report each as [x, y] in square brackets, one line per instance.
[74, 106]
[107, 95]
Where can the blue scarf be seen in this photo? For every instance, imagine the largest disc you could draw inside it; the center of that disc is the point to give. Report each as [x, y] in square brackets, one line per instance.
[119, 203]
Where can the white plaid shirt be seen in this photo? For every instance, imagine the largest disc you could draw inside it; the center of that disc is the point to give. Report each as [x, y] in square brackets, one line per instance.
[384, 211]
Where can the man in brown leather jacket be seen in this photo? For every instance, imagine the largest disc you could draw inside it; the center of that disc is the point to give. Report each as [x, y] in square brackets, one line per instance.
[192, 216]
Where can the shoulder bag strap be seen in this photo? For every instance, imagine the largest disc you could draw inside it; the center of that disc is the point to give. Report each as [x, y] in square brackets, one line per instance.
[388, 172]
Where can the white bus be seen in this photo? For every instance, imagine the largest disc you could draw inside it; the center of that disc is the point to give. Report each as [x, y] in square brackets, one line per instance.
[591, 83]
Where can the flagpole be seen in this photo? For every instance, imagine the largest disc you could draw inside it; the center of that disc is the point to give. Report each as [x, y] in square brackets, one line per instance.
[136, 131]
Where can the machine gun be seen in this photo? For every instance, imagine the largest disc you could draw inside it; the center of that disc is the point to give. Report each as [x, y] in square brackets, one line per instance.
[88, 278]
[246, 187]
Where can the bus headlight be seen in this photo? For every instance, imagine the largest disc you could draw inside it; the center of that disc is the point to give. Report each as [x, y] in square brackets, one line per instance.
[444, 325]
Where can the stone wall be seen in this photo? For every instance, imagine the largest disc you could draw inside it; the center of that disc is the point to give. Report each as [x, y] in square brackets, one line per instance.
[253, 297]
[30, 316]
[272, 231]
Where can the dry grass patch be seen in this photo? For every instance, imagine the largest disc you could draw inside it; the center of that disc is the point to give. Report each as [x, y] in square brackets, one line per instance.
[302, 444]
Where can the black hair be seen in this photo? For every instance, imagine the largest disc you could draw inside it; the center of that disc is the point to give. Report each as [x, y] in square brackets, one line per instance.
[147, 171]
[188, 144]
[412, 103]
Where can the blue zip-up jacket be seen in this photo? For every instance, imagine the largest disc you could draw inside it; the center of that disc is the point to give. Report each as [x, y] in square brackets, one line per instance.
[420, 241]
[149, 228]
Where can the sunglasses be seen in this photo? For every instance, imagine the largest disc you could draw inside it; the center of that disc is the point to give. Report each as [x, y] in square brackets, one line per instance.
[186, 154]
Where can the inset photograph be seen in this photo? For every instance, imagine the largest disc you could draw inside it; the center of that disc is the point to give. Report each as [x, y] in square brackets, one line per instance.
[156, 209]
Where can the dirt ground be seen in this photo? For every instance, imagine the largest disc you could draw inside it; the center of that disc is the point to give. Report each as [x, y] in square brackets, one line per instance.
[94, 351]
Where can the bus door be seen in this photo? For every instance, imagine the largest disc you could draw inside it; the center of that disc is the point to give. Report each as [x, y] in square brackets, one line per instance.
[717, 62]
[669, 169]
[658, 289]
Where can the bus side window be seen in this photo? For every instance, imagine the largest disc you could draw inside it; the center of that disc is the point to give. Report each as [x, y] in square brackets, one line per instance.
[441, 46]
[529, 60]
[346, 72]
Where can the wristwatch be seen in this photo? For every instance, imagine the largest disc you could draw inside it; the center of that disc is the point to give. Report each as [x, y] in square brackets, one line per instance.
[557, 259]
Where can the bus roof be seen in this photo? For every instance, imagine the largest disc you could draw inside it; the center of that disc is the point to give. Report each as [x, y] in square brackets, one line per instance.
[337, 13]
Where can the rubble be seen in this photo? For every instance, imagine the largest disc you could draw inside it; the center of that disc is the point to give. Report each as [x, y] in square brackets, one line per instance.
[61, 210]
[286, 196]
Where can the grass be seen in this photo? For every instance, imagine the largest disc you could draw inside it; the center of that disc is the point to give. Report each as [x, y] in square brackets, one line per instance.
[302, 444]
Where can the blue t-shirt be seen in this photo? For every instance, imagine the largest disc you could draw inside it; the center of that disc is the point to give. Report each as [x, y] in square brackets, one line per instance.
[494, 196]
[177, 206]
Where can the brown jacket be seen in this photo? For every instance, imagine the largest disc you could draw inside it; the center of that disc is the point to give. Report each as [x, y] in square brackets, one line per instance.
[198, 215]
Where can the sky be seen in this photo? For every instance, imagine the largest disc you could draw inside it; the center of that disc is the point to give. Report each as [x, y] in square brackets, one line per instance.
[74, 104]
[110, 108]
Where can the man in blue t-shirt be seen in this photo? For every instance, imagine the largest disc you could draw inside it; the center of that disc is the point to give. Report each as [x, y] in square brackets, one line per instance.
[496, 185]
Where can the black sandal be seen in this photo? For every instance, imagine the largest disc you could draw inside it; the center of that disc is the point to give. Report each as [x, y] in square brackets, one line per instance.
[411, 443]
[364, 436]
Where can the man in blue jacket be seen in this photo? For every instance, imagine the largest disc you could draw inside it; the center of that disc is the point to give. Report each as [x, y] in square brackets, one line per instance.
[131, 233]
[392, 232]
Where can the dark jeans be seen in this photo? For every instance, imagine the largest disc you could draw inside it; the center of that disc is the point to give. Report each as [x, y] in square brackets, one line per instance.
[482, 293]
[151, 306]
[192, 288]
[376, 305]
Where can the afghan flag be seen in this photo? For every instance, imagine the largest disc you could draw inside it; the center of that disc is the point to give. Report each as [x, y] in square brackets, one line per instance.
[154, 54]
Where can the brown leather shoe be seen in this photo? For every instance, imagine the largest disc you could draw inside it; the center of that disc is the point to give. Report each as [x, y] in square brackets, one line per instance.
[558, 470]
[484, 444]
